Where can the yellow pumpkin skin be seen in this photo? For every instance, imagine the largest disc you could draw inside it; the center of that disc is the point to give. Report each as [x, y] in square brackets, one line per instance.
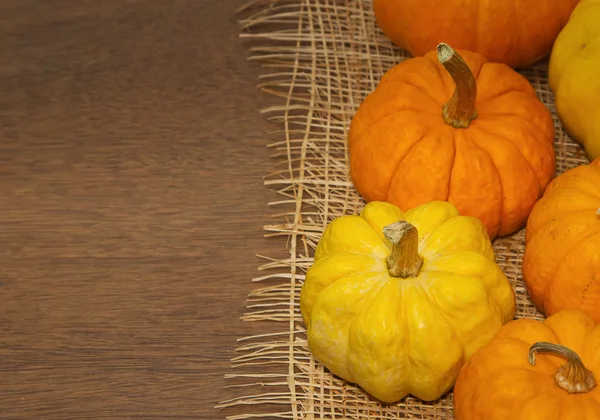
[499, 383]
[397, 336]
[574, 76]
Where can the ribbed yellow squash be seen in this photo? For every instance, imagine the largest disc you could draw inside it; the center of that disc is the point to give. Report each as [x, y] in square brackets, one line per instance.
[397, 302]
[574, 75]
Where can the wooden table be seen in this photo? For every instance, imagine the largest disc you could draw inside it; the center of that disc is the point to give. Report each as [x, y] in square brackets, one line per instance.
[131, 206]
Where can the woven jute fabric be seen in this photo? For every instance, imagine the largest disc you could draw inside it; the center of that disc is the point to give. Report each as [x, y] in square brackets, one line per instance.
[321, 58]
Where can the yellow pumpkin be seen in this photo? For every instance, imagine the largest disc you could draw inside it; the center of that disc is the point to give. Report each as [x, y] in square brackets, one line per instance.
[574, 75]
[397, 302]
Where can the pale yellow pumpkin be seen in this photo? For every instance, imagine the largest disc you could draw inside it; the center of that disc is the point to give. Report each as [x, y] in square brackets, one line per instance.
[397, 302]
[574, 76]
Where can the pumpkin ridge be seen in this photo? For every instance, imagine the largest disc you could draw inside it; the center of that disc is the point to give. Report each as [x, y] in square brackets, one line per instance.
[522, 96]
[502, 380]
[488, 292]
[551, 282]
[511, 32]
[418, 91]
[424, 92]
[377, 122]
[358, 330]
[365, 299]
[474, 143]
[402, 321]
[374, 293]
[572, 175]
[493, 287]
[395, 171]
[542, 178]
[519, 84]
[569, 93]
[527, 122]
[377, 229]
[536, 183]
[517, 368]
[595, 400]
[516, 146]
[434, 304]
[536, 139]
[425, 293]
[546, 282]
[425, 233]
[561, 215]
[517, 399]
[509, 89]
[365, 305]
[334, 231]
[586, 193]
[593, 232]
[306, 302]
[390, 166]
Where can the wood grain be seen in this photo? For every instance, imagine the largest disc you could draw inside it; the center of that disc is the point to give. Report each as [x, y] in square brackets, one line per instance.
[131, 206]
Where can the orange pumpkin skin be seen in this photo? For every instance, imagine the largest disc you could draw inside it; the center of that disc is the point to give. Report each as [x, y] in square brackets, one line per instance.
[499, 383]
[501, 31]
[402, 150]
[561, 263]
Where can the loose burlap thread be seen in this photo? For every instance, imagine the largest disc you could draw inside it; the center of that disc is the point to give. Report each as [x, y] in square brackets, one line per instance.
[321, 58]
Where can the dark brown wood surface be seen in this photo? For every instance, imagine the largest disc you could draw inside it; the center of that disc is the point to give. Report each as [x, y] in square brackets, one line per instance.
[131, 206]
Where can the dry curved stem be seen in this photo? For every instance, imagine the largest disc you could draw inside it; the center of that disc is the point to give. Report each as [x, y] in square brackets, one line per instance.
[404, 260]
[573, 376]
[460, 110]
[598, 212]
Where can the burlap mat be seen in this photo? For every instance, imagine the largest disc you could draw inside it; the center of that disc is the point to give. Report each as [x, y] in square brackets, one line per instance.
[322, 57]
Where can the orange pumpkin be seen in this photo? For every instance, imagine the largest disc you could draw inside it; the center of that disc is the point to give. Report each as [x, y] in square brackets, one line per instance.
[516, 33]
[535, 371]
[561, 264]
[487, 148]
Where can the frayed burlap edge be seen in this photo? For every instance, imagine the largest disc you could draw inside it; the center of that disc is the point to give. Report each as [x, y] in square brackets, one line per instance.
[321, 58]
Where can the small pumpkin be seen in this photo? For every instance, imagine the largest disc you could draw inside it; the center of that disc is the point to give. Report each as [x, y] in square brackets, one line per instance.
[561, 263]
[573, 74]
[454, 127]
[534, 370]
[515, 33]
[396, 302]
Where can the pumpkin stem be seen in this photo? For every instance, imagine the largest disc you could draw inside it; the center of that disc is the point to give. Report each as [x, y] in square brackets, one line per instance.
[404, 260]
[573, 376]
[598, 212]
[460, 109]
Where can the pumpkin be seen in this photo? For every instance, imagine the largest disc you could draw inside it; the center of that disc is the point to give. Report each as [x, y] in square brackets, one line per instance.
[534, 370]
[573, 75]
[396, 302]
[515, 33]
[561, 263]
[454, 127]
